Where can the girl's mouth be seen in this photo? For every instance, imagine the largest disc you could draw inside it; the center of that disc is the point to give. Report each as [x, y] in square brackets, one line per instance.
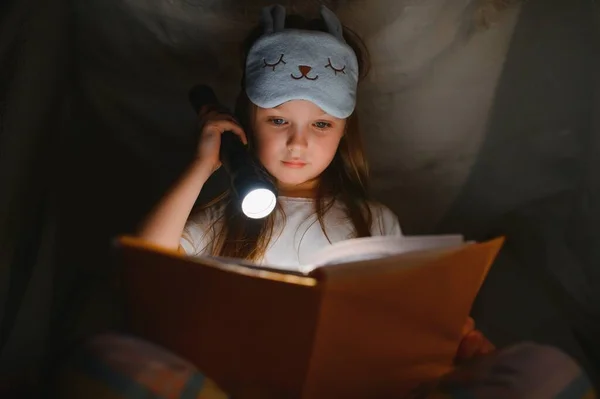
[294, 164]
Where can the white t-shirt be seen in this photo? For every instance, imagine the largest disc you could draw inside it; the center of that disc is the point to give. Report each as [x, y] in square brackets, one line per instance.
[297, 238]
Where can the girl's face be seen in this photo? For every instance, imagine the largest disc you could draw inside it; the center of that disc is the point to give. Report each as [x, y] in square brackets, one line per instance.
[296, 141]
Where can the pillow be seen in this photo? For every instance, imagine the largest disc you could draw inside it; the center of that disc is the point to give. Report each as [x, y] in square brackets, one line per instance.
[116, 366]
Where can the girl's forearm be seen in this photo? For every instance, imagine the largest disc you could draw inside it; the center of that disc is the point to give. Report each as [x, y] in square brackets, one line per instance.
[165, 223]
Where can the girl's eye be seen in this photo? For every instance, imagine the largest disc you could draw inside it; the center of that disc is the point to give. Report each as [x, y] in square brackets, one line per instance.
[322, 125]
[277, 121]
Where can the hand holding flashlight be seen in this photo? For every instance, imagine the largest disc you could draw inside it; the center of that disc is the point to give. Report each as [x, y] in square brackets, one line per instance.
[255, 192]
[215, 122]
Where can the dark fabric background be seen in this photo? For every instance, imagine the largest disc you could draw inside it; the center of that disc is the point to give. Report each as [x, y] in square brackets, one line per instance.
[95, 125]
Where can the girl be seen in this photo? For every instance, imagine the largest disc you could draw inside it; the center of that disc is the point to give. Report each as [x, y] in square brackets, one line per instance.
[297, 109]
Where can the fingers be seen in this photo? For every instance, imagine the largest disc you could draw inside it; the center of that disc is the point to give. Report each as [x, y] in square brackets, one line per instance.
[216, 122]
[468, 326]
[474, 344]
[468, 347]
[218, 127]
[488, 346]
[481, 345]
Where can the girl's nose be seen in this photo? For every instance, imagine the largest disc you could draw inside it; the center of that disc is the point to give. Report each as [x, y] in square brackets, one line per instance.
[297, 139]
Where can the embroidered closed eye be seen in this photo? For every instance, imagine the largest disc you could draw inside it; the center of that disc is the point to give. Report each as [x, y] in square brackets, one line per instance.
[279, 61]
[335, 70]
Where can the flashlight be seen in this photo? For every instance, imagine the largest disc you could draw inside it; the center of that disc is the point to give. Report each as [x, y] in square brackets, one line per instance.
[252, 186]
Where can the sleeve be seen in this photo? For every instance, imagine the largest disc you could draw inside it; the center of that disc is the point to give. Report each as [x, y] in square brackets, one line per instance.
[198, 234]
[385, 222]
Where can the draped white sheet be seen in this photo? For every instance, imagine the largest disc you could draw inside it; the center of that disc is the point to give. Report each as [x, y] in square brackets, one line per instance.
[464, 121]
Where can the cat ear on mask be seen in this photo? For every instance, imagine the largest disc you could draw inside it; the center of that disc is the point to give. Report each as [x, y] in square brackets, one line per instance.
[334, 26]
[273, 18]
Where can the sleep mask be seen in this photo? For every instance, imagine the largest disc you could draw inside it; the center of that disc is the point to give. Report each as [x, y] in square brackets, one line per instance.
[292, 64]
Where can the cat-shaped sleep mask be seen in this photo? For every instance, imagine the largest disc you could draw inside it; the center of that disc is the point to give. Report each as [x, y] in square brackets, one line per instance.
[291, 64]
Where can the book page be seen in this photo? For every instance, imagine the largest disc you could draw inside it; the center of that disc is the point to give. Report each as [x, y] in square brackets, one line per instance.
[360, 249]
[246, 264]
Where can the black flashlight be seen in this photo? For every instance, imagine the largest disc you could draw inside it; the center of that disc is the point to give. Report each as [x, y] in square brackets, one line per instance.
[250, 183]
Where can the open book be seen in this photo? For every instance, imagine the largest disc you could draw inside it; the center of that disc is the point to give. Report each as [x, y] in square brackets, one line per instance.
[371, 317]
[359, 249]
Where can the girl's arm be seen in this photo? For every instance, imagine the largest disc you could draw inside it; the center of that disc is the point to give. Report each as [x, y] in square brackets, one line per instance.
[165, 223]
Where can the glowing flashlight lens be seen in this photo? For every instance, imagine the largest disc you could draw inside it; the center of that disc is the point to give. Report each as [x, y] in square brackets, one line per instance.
[259, 203]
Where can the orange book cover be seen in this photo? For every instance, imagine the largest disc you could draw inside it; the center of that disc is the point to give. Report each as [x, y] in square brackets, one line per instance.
[367, 328]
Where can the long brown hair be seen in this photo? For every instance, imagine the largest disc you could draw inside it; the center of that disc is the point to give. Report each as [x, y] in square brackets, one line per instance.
[345, 179]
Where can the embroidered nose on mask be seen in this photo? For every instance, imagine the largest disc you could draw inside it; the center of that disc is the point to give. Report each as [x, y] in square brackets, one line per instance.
[304, 71]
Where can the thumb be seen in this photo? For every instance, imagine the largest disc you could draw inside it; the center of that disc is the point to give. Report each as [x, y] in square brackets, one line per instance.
[468, 347]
